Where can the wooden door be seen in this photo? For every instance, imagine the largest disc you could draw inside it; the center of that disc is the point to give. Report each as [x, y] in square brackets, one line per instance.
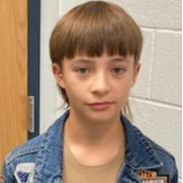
[13, 75]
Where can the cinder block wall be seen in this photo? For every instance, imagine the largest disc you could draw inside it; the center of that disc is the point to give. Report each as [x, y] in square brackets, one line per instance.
[155, 101]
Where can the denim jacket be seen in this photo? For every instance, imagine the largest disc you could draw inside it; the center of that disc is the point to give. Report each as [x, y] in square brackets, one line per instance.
[40, 159]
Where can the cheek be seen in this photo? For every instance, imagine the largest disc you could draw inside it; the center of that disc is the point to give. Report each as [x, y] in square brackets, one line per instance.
[75, 84]
[123, 95]
[123, 89]
[73, 90]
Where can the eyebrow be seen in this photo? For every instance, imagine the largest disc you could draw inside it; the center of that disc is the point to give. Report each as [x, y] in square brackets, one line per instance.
[115, 59]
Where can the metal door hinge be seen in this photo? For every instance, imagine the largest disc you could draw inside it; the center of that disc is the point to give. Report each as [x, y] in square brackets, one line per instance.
[31, 114]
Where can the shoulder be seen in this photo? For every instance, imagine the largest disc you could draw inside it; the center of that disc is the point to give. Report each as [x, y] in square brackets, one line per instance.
[144, 154]
[24, 154]
[167, 159]
[29, 150]
[168, 166]
[25, 150]
[152, 155]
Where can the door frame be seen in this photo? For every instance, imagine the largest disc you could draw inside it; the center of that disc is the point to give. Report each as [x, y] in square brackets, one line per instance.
[34, 12]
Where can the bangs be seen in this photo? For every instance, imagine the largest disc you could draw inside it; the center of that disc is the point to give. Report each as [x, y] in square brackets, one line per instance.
[94, 30]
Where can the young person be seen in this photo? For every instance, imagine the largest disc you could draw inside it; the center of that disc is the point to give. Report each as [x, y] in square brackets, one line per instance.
[95, 50]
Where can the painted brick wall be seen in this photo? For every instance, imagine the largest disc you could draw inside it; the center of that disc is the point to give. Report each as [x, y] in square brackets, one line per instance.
[155, 101]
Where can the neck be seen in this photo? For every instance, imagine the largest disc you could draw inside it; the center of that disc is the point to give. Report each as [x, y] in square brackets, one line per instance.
[93, 133]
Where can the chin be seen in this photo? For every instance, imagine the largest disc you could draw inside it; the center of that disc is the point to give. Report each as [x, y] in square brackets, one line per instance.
[102, 117]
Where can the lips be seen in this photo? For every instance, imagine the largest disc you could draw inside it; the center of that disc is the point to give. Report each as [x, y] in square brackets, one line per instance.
[100, 105]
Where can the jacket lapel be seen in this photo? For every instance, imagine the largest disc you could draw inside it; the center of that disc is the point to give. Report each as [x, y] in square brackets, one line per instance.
[49, 162]
[139, 154]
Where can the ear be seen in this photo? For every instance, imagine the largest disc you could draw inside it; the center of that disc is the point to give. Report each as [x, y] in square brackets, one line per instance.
[58, 73]
[137, 67]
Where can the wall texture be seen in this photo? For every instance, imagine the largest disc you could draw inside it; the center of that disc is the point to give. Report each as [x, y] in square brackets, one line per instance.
[155, 101]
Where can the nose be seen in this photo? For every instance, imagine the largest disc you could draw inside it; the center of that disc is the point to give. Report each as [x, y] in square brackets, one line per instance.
[100, 85]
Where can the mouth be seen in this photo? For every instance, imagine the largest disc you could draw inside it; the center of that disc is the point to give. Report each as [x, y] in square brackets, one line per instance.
[100, 105]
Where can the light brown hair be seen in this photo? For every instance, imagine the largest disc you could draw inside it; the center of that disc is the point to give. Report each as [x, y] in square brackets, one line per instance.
[93, 28]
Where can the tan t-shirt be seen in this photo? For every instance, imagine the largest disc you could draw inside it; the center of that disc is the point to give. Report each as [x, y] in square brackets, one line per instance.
[75, 172]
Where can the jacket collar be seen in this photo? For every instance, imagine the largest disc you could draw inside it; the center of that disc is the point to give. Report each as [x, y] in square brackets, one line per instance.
[139, 153]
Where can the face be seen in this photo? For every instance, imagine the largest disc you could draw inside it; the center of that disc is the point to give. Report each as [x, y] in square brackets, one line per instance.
[97, 87]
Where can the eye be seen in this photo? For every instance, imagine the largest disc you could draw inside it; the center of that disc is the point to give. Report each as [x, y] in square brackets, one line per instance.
[82, 71]
[118, 70]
